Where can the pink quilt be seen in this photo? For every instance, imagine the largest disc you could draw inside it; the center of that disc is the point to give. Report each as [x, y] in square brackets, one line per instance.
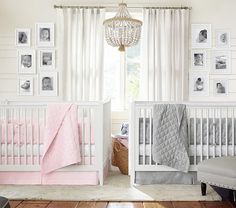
[61, 145]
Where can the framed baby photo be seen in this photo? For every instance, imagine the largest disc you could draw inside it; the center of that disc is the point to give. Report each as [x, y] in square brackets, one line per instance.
[46, 60]
[198, 60]
[220, 87]
[201, 35]
[22, 37]
[198, 84]
[48, 84]
[45, 34]
[25, 86]
[26, 61]
[221, 62]
[222, 38]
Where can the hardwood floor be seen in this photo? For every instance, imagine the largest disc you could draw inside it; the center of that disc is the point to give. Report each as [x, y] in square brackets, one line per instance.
[91, 204]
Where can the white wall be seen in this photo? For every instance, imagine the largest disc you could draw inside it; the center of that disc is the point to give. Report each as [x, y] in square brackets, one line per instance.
[25, 13]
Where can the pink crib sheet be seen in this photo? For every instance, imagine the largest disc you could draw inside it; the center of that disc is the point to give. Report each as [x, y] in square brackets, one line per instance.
[35, 132]
[21, 132]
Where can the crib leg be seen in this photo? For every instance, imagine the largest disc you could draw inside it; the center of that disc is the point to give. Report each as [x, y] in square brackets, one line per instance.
[203, 188]
[101, 178]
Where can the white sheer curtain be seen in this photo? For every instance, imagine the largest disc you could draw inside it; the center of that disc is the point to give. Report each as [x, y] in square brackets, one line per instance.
[81, 52]
[165, 54]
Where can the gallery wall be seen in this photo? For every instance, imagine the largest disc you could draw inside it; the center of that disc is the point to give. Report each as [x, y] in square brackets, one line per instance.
[26, 13]
[220, 16]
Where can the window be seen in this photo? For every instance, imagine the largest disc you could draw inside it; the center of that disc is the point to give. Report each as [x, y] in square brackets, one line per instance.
[122, 72]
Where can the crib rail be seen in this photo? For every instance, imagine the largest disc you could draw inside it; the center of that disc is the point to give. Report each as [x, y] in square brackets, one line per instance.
[211, 133]
[22, 126]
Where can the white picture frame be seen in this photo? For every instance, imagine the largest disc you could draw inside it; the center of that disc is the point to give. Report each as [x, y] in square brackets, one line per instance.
[48, 84]
[44, 34]
[199, 60]
[46, 60]
[199, 84]
[220, 87]
[222, 38]
[221, 62]
[201, 36]
[26, 61]
[23, 37]
[25, 86]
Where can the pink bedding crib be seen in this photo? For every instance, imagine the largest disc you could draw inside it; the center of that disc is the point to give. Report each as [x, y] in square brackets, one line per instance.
[22, 127]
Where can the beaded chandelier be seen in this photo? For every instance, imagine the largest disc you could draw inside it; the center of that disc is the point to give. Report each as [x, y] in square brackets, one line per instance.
[122, 30]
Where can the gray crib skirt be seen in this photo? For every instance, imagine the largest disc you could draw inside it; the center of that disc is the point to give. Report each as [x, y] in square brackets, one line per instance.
[165, 177]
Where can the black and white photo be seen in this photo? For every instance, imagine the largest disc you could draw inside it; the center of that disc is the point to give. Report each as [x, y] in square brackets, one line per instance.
[48, 84]
[45, 34]
[26, 62]
[25, 86]
[198, 60]
[222, 38]
[220, 87]
[22, 37]
[221, 62]
[201, 36]
[46, 59]
[199, 84]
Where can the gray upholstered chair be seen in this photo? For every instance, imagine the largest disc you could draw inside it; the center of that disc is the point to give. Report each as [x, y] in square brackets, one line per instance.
[220, 171]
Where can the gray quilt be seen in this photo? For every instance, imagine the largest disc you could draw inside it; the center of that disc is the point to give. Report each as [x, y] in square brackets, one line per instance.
[170, 136]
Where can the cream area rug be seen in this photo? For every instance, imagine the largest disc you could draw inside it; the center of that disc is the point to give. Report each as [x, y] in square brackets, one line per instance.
[116, 188]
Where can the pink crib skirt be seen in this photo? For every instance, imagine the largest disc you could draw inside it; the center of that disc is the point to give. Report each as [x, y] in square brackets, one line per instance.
[55, 178]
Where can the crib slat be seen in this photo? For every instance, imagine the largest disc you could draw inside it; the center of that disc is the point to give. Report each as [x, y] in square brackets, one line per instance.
[150, 137]
[19, 137]
[189, 137]
[12, 136]
[233, 139]
[220, 132]
[25, 136]
[214, 133]
[89, 136]
[83, 135]
[38, 132]
[31, 135]
[195, 136]
[226, 132]
[144, 135]
[208, 133]
[1, 138]
[201, 135]
[1, 132]
[6, 136]
[137, 146]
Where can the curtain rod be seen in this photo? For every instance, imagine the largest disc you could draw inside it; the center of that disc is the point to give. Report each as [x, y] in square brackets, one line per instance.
[113, 7]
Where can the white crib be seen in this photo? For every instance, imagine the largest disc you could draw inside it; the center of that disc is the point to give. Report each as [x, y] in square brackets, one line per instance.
[211, 133]
[22, 127]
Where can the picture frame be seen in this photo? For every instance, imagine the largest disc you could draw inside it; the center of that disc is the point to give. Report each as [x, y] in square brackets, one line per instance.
[46, 60]
[48, 84]
[221, 62]
[25, 86]
[198, 60]
[26, 61]
[23, 37]
[198, 84]
[44, 34]
[222, 38]
[201, 36]
[220, 87]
